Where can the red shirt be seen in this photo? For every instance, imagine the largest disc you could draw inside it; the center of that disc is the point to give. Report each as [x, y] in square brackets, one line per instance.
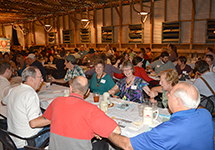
[139, 72]
[75, 118]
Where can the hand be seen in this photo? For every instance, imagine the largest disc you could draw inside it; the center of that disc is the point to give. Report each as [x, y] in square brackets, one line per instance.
[98, 137]
[152, 94]
[52, 79]
[114, 96]
[153, 101]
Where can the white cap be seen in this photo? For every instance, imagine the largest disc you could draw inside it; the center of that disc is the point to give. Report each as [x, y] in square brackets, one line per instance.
[31, 56]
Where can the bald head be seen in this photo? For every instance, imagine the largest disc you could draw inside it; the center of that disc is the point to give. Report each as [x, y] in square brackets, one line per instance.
[188, 94]
[79, 85]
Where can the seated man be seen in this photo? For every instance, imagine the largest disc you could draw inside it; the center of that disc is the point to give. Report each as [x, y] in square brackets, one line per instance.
[5, 74]
[162, 64]
[32, 61]
[202, 69]
[73, 70]
[90, 58]
[23, 108]
[188, 128]
[82, 52]
[74, 122]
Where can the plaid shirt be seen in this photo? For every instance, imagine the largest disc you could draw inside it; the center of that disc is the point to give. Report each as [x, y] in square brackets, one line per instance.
[76, 71]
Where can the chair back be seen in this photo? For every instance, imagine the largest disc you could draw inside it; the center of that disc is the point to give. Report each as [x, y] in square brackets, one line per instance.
[208, 103]
[6, 140]
[3, 122]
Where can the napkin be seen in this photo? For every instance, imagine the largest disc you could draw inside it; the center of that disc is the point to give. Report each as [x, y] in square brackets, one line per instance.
[136, 127]
[124, 106]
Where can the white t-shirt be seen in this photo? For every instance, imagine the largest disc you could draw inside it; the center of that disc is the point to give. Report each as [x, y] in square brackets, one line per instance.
[4, 87]
[22, 106]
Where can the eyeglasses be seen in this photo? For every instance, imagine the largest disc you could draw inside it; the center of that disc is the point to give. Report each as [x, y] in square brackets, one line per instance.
[124, 70]
[40, 77]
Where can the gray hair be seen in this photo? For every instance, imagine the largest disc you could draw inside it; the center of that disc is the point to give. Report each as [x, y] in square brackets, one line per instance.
[188, 94]
[128, 63]
[29, 72]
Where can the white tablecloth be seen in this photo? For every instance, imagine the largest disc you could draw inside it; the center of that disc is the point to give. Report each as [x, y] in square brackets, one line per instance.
[131, 114]
[46, 96]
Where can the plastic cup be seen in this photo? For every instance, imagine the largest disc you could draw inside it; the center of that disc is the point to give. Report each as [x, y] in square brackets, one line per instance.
[140, 109]
[96, 97]
[48, 84]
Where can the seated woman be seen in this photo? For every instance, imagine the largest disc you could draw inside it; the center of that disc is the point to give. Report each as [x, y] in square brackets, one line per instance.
[139, 71]
[130, 87]
[119, 62]
[182, 67]
[21, 64]
[168, 79]
[209, 59]
[100, 82]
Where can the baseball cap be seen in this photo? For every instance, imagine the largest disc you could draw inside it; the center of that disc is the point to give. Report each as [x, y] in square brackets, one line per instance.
[70, 58]
[31, 56]
[91, 51]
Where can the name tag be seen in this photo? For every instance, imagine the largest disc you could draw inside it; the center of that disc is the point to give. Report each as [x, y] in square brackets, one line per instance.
[158, 66]
[184, 72]
[103, 81]
[133, 87]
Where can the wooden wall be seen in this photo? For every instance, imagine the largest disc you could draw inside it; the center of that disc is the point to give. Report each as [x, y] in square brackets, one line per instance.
[193, 25]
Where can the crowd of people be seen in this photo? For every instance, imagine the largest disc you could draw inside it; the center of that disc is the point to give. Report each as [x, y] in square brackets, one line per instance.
[74, 122]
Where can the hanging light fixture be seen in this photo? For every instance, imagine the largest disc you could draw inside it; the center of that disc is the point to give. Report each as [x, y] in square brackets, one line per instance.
[144, 14]
[85, 21]
[47, 27]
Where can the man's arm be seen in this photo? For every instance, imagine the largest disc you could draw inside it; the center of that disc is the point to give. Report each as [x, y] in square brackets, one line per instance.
[114, 90]
[90, 72]
[117, 130]
[120, 141]
[57, 80]
[39, 122]
[115, 70]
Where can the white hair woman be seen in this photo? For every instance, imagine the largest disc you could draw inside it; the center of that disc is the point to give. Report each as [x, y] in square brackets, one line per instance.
[131, 86]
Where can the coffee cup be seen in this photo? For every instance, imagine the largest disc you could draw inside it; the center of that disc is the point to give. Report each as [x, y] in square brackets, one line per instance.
[104, 106]
[106, 97]
[148, 115]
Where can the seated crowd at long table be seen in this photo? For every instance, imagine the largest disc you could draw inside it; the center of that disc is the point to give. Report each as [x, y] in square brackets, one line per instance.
[139, 104]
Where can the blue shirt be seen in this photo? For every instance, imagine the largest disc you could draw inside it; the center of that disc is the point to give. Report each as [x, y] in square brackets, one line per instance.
[188, 130]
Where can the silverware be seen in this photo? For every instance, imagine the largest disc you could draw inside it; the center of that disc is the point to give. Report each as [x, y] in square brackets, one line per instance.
[121, 126]
[132, 109]
[128, 121]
